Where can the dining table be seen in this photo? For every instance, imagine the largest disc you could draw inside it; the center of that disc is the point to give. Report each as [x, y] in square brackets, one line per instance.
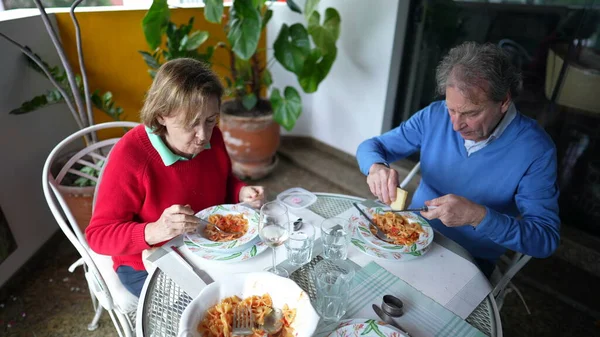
[443, 291]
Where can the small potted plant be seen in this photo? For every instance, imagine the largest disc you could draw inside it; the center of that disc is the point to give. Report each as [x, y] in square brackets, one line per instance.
[249, 119]
[71, 89]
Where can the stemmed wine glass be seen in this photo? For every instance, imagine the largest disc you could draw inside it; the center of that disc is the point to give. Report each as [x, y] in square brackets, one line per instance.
[273, 230]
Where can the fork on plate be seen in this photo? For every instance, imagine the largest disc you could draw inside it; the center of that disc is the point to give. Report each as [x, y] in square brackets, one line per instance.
[243, 320]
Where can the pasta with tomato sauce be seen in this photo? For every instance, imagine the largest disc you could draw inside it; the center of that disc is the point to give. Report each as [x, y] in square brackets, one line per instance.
[397, 228]
[218, 320]
[234, 224]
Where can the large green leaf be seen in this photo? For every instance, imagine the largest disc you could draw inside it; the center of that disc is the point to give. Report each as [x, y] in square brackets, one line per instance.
[267, 79]
[267, 17]
[38, 102]
[213, 10]
[309, 7]
[244, 28]
[325, 36]
[249, 101]
[291, 47]
[150, 59]
[196, 39]
[106, 104]
[293, 6]
[286, 109]
[315, 69]
[332, 22]
[155, 21]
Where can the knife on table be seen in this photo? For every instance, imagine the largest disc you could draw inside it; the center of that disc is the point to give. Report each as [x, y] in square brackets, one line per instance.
[201, 273]
[421, 209]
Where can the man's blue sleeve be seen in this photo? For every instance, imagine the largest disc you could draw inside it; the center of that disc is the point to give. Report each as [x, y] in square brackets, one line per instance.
[537, 231]
[393, 145]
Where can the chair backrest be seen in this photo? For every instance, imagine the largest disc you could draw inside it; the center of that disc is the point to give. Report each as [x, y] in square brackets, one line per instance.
[506, 269]
[110, 292]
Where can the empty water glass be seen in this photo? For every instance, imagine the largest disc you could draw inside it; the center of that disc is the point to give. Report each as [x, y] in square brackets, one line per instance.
[332, 280]
[300, 244]
[336, 234]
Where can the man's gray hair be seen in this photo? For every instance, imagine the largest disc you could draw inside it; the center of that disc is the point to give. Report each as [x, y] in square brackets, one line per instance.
[486, 66]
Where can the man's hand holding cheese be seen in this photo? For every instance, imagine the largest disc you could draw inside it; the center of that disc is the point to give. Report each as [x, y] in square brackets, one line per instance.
[383, 182]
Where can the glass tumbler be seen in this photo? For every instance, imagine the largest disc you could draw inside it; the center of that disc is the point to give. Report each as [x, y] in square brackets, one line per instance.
[332, 281]
[300, 243]
[336, 234]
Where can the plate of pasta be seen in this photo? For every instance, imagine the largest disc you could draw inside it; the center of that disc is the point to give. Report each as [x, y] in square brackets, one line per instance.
[408, 232]
[210, 314]
[231, 218]
[365, 327]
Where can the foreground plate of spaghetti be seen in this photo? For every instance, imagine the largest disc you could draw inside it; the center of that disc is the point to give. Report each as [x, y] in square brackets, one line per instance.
[217, 321]
[231, 218]
[211, 312]
[409, 232]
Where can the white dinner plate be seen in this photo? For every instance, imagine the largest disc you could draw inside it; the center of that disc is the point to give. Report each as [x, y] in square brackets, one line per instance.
[282, 291]
[232, 246]
[362, 225]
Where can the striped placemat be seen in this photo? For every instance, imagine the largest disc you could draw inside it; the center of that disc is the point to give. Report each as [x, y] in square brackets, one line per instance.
[422, 315]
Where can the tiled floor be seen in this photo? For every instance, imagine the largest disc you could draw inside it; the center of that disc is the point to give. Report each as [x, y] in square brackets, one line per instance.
[44, 299]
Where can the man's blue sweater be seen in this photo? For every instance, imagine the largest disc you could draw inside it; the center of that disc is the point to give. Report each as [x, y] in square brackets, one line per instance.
[514, 177]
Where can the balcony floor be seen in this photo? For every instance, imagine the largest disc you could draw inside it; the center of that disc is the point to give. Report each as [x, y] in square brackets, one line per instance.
[44, 299]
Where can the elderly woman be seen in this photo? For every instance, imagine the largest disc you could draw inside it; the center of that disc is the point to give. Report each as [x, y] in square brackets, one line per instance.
[163, 172]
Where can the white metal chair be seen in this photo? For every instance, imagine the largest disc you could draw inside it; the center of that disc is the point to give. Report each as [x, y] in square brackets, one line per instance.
[505, 270]
[501, 278]
[106, 290]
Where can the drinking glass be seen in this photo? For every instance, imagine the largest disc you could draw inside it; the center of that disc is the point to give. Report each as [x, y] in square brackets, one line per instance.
[336, 233]
[300, 244]
[273, 229]
[332, 280]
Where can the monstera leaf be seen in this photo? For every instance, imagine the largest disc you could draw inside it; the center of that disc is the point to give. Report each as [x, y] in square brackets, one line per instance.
[286, 109]
[155, 22]
[245, 24]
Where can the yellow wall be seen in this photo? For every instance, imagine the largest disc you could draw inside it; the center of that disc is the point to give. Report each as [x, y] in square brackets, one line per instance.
[111, 41]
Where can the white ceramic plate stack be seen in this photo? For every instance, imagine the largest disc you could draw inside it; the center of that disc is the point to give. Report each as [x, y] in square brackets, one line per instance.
[369, 244]
[243, 248]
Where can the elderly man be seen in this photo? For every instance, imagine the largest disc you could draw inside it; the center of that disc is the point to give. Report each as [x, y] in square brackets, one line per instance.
[490, 171]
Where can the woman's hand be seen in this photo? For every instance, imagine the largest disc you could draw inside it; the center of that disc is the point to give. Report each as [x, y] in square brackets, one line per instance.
[174, 221]
[252, 195]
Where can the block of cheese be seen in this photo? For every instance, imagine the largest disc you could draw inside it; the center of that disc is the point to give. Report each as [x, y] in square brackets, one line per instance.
[400, 202]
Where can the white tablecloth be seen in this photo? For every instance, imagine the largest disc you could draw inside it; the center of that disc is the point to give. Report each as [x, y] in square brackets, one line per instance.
[442, 275]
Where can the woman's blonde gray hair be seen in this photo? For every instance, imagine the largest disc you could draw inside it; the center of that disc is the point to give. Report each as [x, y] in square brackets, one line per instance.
[486, 66]
[180, 85]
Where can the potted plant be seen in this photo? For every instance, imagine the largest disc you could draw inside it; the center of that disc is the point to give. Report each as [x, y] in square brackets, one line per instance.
[72, 90]
[249, 120]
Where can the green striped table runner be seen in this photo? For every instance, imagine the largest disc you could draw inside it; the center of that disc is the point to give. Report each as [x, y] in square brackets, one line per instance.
[422, 315]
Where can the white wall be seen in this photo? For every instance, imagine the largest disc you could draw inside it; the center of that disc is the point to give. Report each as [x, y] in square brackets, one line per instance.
[26, 140]
[350, 104]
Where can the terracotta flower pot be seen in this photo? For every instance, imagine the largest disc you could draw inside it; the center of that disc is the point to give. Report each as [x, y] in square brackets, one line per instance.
[251, 141]
[79, 200]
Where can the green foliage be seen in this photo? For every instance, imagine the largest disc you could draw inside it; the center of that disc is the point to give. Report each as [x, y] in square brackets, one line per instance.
[83, 181]
[244, 28]
[307, 50]
[286, 109]
[102, 102]
[180, 40]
